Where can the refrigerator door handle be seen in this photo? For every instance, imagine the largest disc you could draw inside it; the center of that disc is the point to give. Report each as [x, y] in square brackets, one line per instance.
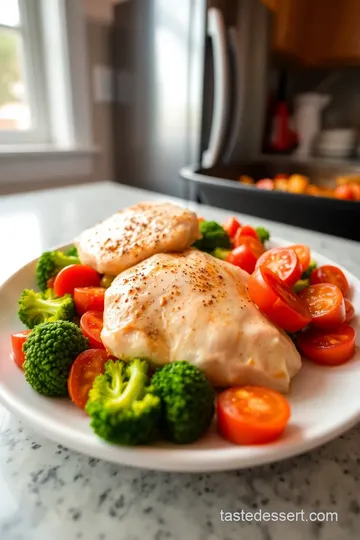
[237, 101]
[218, 34]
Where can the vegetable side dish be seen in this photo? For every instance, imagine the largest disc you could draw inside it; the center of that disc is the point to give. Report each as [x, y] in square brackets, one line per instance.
[156, 318]
[347, 188]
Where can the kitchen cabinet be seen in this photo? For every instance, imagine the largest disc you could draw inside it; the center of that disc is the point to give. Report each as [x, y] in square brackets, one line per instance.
[317, 32]
[288, 27]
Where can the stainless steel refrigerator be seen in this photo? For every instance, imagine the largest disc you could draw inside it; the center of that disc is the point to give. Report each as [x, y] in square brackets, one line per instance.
[190, 86]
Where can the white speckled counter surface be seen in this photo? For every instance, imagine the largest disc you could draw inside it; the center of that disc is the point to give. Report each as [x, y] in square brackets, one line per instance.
[48, 492]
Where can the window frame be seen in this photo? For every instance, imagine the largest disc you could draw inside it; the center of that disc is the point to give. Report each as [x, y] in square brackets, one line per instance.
[32, 63]
[66, 146]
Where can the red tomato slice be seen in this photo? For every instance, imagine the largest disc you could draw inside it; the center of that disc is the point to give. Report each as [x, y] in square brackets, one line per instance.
[75, 275]
[329, 348]
[344, 192]
[231, 225]
[330, 274]
[251, 414]
[254, 244]
[86, 367]
[265, 183]
[303, 254]
[349, 311]
[91, 324]
[277, 300]
[17, 340]
[248, 231]
[325, 303]
[283, 262]
[243, 257]
[89, 299]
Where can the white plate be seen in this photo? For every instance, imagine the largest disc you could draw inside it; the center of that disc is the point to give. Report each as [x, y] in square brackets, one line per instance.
[324, 402]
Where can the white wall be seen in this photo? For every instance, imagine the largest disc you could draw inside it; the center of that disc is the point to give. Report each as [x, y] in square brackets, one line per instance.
[100, 9]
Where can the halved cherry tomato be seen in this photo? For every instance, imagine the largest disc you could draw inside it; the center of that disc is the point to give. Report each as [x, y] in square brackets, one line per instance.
[303, 253]
[281, 184]
[247, 230]
[330, 274]
[86, 367]
[277, 300]
[330, 348]
[89, 299]
[344, 192]
[283, 262]
[91, 324]
[265, 183]
[298, 183]
[251, 414]
[231, 225]
[349, 311]
[17, 340]
[75, 275]
[355, 188]
[243, 257]
[254, 244]
[245, 179]
[325, 303]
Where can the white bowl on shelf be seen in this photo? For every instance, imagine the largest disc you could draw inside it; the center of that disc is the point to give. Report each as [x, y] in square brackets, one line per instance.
[336, 142]
[334, 152]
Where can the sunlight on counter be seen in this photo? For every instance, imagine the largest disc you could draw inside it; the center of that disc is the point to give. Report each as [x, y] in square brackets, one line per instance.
[21, 239]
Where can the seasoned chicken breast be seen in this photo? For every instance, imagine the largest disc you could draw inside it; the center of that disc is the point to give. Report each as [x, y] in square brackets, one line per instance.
[193, 307]
[136, 233]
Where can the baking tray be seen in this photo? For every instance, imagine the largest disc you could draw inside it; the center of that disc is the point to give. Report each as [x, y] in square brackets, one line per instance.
[219, 187]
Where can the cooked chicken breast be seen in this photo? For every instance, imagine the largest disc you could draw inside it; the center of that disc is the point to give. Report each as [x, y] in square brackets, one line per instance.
[136, 233]
[193, 307]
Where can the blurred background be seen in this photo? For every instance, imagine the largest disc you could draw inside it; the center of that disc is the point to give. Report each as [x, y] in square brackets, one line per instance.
[40, 146]
[251, 105]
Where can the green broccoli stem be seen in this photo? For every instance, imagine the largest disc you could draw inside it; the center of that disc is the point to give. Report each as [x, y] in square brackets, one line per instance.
[306, 274]
[134, 387]
[72, 251]
[62, 260]
[263, 234]
[49, 306]
[121, 408]
[300, 285]
[221, 253]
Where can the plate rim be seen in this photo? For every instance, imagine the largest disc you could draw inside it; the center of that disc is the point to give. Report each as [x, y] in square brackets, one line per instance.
[201, 459]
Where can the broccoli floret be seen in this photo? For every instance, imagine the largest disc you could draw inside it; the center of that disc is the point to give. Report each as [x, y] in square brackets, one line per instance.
[221, 253]
[50, 264]
[263, 234]
[123, 409]
[213, 236]
[310, 268]
[187, 400]
[50, 350]
[301, 284]
[72, 251]
[106, 281]
[38, 307]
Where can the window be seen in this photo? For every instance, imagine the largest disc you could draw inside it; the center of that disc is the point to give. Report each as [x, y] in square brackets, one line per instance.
[22, 84]
[44, 94]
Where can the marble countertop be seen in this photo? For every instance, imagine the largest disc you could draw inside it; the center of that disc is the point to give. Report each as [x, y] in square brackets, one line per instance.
[50, 492]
